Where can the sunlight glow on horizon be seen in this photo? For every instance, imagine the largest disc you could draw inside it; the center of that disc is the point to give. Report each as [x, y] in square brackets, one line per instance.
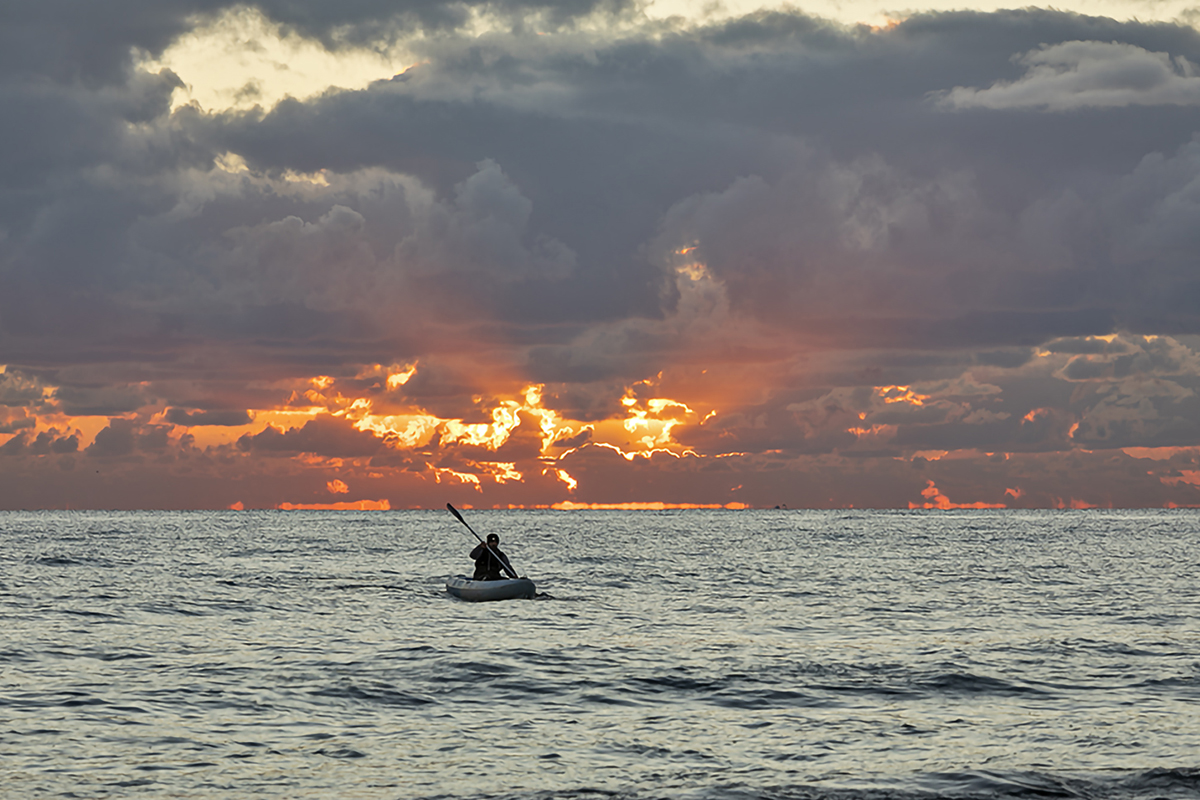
[935, 498]
[639, 431]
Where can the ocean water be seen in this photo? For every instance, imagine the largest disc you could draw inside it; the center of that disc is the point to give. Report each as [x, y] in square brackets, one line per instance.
[675, 654]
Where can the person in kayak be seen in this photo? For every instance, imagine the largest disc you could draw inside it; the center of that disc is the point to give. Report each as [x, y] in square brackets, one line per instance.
[487, 565]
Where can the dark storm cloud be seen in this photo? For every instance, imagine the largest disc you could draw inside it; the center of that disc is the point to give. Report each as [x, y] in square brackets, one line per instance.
[325, 436]
[181, 416]
[99, 400]
[770, 97]
[125, 437]
[1010, 435]
[49, 442]
[366, 22]
[750, 138]
[92, 164]
[18, 424]
[18, 389]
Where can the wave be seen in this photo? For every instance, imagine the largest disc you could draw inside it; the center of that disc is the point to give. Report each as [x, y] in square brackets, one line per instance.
[1145, 785]
[960, 683]
[378, 695]
[67, 561]
[798, 685]
[966, 785]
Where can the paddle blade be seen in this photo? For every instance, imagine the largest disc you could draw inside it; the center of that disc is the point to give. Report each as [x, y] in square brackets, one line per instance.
[454, 511]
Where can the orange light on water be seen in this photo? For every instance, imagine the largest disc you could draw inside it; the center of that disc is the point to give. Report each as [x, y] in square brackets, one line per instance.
[358, 505]
[567, 505]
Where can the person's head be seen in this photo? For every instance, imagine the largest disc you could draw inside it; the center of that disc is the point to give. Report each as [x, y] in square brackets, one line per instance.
[493, 539]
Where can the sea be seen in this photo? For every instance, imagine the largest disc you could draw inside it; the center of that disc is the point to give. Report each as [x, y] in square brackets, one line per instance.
[668, 655]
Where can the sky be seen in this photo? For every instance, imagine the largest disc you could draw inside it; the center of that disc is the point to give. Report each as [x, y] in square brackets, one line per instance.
[599, 253]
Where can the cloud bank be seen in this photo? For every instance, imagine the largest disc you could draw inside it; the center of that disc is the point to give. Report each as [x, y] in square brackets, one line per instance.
[571, 255]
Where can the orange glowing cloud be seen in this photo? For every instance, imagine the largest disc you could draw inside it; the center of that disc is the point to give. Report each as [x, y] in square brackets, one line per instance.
[936, 500]
[901, 394]
[514, 443]
[1076, 503]
[417, 427]
[447, 474]
[1187, 476]
[314, 427]
[630, 455]
[874, 430]
[642, 428]
[397, 379]
[1158, 453]
[562, 475]
[502, 471]
[648, 423]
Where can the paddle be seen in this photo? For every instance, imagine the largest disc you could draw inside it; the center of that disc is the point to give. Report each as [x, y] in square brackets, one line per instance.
[499, 560]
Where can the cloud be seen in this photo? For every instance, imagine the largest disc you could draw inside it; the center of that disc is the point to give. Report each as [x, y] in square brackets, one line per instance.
[1087, 74]
[684, 256]
[19, 390]
[48, 442]
[98, 400]
[16, 423]
[481, 234]
[126, 437]
[181, 416]
[65, 43]
[324, 436]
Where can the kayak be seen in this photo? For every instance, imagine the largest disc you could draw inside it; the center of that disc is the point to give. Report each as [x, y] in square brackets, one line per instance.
[475, 591]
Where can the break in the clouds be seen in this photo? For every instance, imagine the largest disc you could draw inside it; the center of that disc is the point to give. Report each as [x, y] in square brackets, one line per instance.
[576, 253]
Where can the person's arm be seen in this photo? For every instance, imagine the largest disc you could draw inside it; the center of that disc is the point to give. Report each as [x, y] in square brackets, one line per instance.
[478, 552]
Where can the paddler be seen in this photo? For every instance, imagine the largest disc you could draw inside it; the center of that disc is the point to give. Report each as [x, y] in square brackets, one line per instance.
[489, 560]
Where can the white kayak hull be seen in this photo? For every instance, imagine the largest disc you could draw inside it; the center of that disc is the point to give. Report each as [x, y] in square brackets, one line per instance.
[477, 591]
